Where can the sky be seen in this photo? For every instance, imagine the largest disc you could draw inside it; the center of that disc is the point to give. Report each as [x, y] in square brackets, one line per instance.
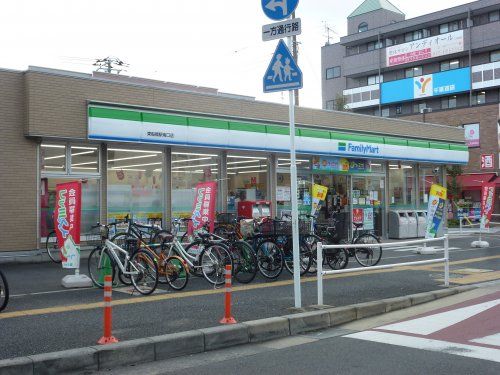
[211, 43]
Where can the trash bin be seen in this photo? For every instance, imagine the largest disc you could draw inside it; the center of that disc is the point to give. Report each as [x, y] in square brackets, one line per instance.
[398, 224]
[421, 223]
[412, 224]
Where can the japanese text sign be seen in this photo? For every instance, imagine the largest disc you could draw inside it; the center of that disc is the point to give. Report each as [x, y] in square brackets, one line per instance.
[204, 206]
[487, 203]
[435, 210]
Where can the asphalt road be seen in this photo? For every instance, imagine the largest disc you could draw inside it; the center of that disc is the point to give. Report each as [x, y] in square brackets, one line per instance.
[43, 317]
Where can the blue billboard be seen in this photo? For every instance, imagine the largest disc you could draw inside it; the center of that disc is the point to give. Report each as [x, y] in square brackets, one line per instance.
[442, 83]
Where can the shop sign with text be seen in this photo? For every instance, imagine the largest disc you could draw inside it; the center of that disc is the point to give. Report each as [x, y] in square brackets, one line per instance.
[336, 164]
[67, 217]
[472, 135]
[435, 210]
[487, 203]
[203, 206]
[488, 161]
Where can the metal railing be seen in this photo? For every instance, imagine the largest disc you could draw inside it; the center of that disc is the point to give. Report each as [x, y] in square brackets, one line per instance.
[321, 273]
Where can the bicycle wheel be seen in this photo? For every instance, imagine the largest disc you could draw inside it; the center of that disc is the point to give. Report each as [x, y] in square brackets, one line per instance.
[144, 272]
[368, 256]
[213, 261]
[52, 248]
[305, 256]
[269, 259]
[337, 259]
[4, 291]
[159, 238]
[99, 265]
[176, 273]
[244, 260]
[123, 240]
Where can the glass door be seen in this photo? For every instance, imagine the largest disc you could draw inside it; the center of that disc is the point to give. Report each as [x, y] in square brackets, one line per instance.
[367, 202]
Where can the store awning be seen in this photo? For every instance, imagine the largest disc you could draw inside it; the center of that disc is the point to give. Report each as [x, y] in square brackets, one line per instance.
[474, 181]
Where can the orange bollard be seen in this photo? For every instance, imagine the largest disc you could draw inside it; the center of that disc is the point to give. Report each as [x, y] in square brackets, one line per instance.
[228, 318]
[108, 338]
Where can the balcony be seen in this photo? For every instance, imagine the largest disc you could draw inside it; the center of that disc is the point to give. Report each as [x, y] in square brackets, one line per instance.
[360, 97]
[486, 75]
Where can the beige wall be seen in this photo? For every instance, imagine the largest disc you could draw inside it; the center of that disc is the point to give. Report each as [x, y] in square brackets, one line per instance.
[18, 185]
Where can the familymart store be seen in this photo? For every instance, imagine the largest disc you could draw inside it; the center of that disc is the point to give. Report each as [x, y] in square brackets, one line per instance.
[146, 162]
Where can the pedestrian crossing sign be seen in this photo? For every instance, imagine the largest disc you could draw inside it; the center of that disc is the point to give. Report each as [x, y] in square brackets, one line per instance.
[283, 73]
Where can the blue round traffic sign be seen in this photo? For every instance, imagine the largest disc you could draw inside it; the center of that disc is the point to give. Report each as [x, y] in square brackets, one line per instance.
[279, 9]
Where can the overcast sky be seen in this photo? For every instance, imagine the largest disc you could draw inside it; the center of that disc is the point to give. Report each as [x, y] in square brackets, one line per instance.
[213, 43]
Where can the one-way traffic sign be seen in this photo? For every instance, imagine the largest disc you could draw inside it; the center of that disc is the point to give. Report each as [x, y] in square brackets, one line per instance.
[283, 73]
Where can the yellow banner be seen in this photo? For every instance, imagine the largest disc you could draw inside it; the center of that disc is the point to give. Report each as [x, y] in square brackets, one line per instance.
[318, 195]
[438, 190]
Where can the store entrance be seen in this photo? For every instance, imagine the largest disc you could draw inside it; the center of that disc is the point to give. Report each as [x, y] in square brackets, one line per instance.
[367, 202]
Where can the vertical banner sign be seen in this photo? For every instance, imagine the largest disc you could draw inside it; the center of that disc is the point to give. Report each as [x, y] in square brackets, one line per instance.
[204, 206]
[358, 215]
[487, 199]
[435, 210]
[67, 217]
[319, 195]
[368, 223]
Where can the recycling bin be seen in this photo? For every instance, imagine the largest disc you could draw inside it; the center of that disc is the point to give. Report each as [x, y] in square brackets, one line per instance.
[398, 224]
[421, 222]
[412, 224]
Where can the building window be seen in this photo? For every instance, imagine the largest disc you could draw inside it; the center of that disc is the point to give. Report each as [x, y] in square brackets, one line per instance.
[417, 34]
[333, 72]
[419, 107]
[495, 56]
[389, 42]
[385, 112]
[374, 45]
[478, 97]
[363, 26]
[494, 16]
[449, 27]
[374, 79]
[399, 109]
[53, 158]
[449, 65]
[330, 104]
[413, 72]
[402, 185]
[449, 102]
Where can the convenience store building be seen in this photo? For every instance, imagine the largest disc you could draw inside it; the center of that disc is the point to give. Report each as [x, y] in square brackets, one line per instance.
[141, 146]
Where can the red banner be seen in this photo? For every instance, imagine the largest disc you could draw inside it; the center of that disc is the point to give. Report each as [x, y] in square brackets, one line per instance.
[67, 216]
[357, 215]
[487, 203]
[204, 206]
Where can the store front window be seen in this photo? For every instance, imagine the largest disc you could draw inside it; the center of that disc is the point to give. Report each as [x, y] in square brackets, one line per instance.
[247, 179]
[283, 186]
[368, 202]
[62, 163]
[134, 184]
[429, 175]
[189, 169]
[402, 185]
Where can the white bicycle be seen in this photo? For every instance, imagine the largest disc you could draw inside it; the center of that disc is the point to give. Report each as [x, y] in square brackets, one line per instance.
[108, 258]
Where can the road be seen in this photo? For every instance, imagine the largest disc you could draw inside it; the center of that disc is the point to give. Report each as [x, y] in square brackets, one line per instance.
[44, 317]
[456, 335]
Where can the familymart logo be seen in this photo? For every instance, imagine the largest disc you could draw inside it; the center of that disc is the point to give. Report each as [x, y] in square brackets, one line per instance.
[359, 148]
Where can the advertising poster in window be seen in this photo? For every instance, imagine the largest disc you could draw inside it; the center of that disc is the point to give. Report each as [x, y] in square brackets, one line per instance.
[67, 218]
[472, 135]
[422, 49]
[318, 195]
[435, 210]
[487, 203]
[203, 206]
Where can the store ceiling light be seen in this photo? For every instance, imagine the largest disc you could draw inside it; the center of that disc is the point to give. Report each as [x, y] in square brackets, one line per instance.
[186, 172]
[55, 157]
[132, 157]
[54, 167]
[244, 167]
[243, 172]
[136, 165]
[86, 163]
[247, 157]
[83, 153]
[195, 166]
[188, 160]
[193, 154]
[53, 146]
[86, 168]
[129, 150]
[83, 148]
[243, 161]
[285, 159]
[128, 169]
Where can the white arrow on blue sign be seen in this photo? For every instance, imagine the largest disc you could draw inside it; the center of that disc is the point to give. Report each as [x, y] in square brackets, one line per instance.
[279, 9]
[283, 73]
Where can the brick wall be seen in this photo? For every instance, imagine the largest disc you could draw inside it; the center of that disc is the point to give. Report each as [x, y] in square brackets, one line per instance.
[18, 198]
[486, 116]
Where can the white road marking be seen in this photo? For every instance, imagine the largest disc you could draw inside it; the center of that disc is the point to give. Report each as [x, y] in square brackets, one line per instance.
[428, 344]
[436, 322]
[489, 340]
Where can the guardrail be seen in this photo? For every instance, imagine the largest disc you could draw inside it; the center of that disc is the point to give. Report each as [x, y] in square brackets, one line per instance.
[321, 273]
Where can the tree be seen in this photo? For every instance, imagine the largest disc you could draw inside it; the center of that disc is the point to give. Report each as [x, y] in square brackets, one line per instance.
[341, 103]
[454, 188]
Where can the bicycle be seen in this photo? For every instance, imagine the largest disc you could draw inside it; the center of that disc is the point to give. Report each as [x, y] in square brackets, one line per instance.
[140, 267]
[147, 233]
[4, 291]
[52, 247]
[202, 256]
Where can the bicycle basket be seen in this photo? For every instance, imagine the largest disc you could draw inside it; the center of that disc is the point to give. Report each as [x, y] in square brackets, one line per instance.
[226, 218]
[246, 228]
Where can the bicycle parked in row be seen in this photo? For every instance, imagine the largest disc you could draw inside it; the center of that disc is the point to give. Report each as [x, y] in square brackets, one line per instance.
[4, 291]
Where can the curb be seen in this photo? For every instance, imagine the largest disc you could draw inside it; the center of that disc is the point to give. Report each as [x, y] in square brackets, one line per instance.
[190, 342]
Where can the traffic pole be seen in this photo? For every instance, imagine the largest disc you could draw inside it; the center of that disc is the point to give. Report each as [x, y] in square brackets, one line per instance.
[108, 338]
[228, 318]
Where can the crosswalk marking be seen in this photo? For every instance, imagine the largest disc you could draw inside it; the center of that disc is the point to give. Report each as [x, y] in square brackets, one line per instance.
[489, 340]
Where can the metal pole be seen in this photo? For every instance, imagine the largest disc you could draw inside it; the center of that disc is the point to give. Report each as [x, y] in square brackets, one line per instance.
[460, 221]
[447, 261]
[295, 216]
[319, 270]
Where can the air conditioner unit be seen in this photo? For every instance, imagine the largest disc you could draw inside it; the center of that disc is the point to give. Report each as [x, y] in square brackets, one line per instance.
[426, 109]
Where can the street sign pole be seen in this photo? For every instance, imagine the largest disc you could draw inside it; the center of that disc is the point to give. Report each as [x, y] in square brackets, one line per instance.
[295, 203]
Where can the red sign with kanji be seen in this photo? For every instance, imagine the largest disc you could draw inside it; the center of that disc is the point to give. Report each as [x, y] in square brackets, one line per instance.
[488, 161]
